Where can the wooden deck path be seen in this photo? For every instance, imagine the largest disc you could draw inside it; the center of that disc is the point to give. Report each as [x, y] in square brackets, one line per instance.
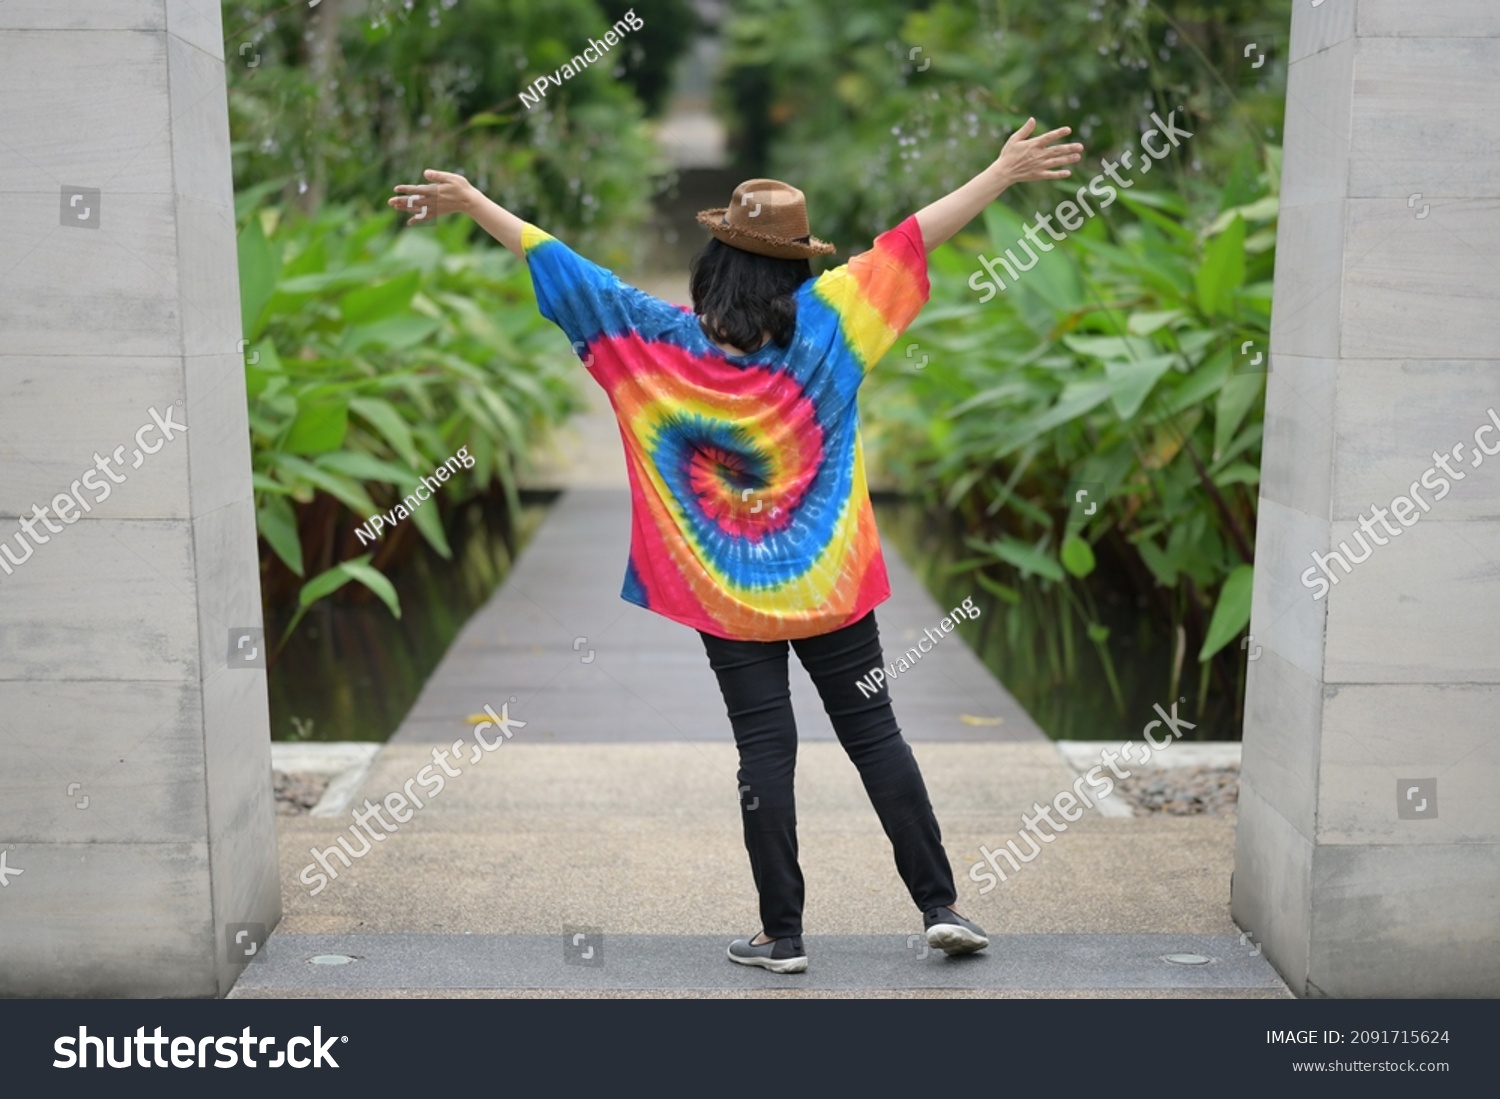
[584, 665]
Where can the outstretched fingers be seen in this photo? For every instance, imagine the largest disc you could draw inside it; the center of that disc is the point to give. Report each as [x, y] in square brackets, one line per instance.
[415, 188]
[411, 199]
[1032, 156]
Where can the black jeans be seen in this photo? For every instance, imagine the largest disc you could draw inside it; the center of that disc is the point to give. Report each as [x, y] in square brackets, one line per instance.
[753, 678]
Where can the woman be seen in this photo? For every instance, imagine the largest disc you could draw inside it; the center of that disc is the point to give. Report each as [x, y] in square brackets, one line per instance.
[751, 520]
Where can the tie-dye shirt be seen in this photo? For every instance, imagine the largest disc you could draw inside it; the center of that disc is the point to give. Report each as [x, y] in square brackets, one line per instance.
[752, 520]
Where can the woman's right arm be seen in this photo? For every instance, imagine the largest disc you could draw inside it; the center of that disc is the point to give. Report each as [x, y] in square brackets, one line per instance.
[453, 194]
[579, 296]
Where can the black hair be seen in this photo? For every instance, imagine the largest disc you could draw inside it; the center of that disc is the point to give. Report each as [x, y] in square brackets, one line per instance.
[740, 295]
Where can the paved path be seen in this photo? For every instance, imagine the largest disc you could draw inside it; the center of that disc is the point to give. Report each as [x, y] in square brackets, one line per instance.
[597, 963]
[612, 815]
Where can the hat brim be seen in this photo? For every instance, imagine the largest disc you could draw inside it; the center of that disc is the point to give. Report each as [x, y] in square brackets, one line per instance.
[762, 244]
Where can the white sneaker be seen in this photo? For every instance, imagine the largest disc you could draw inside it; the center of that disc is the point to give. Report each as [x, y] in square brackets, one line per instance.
[779, 955]
[951, 933]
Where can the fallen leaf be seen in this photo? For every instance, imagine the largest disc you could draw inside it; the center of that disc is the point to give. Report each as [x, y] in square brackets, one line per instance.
[975, 719]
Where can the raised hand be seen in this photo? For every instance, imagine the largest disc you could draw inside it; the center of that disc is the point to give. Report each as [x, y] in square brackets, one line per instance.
[445, 194]
[1026, 158]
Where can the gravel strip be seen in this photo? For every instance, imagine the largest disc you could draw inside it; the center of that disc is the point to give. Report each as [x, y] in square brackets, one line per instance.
[297, 792]
[1183, 791]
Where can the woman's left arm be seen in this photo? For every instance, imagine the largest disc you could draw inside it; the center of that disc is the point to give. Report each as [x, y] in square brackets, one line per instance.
[453, 194]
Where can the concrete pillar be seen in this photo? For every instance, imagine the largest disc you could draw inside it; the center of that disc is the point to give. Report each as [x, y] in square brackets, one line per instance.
[1366, 862]
[134, 746]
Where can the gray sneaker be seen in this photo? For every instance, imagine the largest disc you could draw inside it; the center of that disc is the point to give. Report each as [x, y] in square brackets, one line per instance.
[779, 955]
[951, 933]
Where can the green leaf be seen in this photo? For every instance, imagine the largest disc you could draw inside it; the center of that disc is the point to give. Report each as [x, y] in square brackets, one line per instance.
[360, 570]
[1262, 209]
[1112, 347]
[323, 282]
[504, 416]
[266, 365]
[1141, 203]
[1130, 383]
[278, 526]
[1238, 396]
[999, 590]
[1223, 269]
[262, 483]
[326, 583]
[1232, 614]
[391, 334]
[1077, 556]
[346, 490]
[249, 199]
[418, 249]
[258, 270]
[1072, 403]
[312, 259]
[1027, 558]
[323, 585]
[1239, 473]
[320, 426]
[388, 422]
[1206, 378]
[1157, 561]
[381, 301]
[1143, 322]
[429, 523]
[366, 467]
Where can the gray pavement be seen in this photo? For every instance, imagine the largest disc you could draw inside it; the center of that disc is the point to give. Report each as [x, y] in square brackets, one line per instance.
[640, 840]
[848, 963]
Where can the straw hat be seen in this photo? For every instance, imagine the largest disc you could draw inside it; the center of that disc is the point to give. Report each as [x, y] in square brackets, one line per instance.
[767, 217]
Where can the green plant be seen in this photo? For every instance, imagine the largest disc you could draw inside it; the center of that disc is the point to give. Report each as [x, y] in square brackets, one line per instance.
[346, 99]
[1117, 361]
[876, 109]
[374, 355]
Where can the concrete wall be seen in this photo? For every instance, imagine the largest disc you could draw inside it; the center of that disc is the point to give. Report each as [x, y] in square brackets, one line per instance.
[1385, 347]
[134, 759]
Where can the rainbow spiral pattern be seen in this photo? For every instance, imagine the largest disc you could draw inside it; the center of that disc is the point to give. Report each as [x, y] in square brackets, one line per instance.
[752, 519]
